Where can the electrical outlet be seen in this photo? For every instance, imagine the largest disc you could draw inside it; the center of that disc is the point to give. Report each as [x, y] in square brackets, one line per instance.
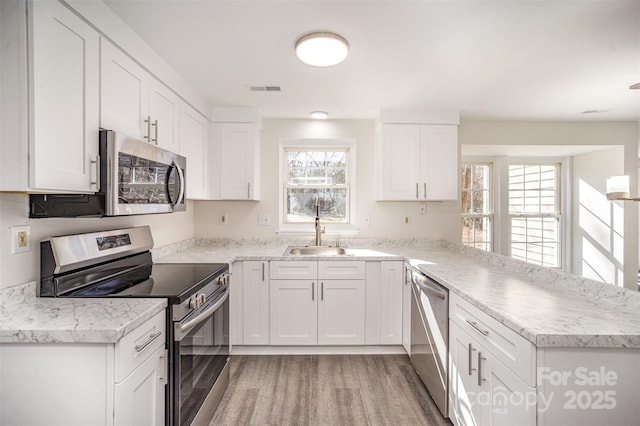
[264, 220]
[422, 208]
[223, 219]
[406, 219]
[366, 220]
[20, 239]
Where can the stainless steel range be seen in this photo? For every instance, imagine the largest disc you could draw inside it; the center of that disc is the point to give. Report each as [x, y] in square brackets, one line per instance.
[118, 263]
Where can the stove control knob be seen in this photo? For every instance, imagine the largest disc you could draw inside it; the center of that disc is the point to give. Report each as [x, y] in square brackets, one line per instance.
[194, 303]
[202, 298]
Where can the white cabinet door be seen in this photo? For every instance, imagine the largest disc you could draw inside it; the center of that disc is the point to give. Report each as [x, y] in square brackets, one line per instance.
[400, 162]
[341, 312]
[140, 398]
[64, 65]
[439, 160]
[164, 110]
[255, 276]
[417, 162]
[406, 311]
[124, 93]
[391, 301]
[513, 402]
[194, 130]
[293, 312]
[464, 409]
[239, 146]
[483, 390]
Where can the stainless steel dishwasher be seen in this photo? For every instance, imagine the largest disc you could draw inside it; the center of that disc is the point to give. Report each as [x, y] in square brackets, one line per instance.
[430, 335]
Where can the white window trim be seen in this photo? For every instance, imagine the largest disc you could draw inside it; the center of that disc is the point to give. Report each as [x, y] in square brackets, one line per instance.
[491, 214]
[342, 229]
[501, 240]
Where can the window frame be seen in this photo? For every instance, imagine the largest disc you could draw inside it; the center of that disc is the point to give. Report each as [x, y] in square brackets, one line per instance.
[321, 144]
[501, 227]
[490, 215]
[559, 204]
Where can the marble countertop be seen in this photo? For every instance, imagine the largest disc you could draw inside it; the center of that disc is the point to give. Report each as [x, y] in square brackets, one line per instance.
[25, 318]
[548, 307]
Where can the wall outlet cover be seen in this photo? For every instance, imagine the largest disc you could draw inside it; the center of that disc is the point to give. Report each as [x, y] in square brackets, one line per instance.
[422, 208]
[223, 219]
[264, 220]
[20, 239]
[406, 219]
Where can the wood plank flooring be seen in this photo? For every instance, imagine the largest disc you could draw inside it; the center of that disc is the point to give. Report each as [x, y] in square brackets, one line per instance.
[325, 390]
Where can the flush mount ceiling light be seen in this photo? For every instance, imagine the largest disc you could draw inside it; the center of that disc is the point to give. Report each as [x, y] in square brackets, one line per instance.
[322, 49]
[635, 86]
[319, 115]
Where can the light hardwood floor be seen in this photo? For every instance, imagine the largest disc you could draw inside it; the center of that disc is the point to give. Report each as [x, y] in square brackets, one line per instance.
[325, 390]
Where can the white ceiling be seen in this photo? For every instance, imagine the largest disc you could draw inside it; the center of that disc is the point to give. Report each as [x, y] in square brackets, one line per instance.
[509, 59]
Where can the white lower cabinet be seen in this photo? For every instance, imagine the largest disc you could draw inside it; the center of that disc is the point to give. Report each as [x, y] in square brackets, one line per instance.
[139, 398]
[391, 302]
[492, 370]
[86, 383]
[255, 302]
[406, 310]
[485, 391]
[317, 303]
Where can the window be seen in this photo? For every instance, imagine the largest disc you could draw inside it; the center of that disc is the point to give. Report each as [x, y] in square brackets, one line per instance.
[317, 177]
[534, 213]
[477, 212]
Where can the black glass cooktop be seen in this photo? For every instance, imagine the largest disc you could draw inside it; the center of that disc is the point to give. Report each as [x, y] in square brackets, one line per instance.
[174, 281]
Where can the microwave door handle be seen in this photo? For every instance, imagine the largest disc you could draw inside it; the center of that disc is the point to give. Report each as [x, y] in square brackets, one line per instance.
[181, 176]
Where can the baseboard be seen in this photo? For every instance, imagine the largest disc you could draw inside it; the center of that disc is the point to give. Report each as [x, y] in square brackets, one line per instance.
[318, 350]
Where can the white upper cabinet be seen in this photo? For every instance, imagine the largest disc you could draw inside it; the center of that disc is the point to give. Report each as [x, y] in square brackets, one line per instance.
[238, 147]
[135, 103]
[63, 103]
[417, 162]
[193, 138]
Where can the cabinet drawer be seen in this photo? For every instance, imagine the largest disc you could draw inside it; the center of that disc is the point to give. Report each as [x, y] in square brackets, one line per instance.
[341, 270]
[293, 270]
[134, 348]
[516, 352]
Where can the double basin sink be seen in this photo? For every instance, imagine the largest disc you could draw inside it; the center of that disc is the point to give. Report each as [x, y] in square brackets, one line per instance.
[316, 251]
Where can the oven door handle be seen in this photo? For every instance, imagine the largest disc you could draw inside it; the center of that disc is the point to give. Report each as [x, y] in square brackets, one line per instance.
[182, 329]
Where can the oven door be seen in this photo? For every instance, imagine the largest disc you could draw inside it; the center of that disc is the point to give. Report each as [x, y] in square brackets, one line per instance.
[200, 356]
[141, 177]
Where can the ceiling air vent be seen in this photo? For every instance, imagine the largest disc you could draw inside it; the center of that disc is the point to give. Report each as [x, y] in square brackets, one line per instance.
[265, 88]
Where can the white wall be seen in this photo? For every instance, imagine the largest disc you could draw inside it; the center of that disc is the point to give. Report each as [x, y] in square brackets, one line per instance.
[598, 225]
[24, 267]
[442, 219]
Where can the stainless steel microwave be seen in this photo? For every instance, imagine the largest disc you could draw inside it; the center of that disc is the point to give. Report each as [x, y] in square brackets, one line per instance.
[135, 177]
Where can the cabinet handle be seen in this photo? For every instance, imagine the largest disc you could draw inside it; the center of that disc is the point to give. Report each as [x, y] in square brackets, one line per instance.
[248, 190]
[148, 135]
[155, 124]
[417, 195]
[480, 379]
[425, 190]
[96, 181]
[470, 361]
[313, 290]
[477, 328]
[322, 290]
[163, 359]
[262, 271]
[152, 337]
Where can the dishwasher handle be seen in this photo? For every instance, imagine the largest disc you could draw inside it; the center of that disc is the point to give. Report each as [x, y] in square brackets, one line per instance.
[425, 285]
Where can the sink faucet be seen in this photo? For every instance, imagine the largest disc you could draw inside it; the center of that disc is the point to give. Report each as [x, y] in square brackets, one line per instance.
[319, 229]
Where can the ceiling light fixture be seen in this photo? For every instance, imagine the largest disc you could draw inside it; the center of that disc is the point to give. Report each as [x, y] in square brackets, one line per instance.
[635, 86]
[319, 115]
[322, 49]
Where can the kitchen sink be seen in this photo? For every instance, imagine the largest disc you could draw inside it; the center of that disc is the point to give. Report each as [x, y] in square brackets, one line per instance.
[316, 251]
